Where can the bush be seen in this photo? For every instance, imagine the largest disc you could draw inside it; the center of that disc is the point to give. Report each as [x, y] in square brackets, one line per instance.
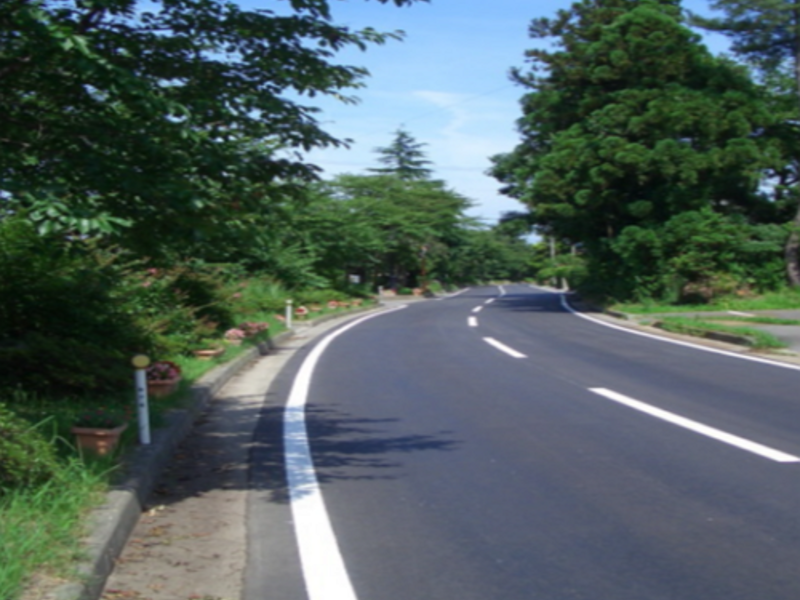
[60, 330]
[26, 457]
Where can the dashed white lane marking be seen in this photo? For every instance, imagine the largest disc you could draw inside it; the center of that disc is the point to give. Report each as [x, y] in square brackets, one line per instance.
[472, 321]
[740, 314]
[323, 567]
[503, 348]
[477, 309]
[765, 361]
[489, 301]
[712, 432]
[502, 290]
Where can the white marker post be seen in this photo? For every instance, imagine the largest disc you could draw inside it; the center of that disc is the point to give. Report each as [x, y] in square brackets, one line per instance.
[140, 363]
[288, 314]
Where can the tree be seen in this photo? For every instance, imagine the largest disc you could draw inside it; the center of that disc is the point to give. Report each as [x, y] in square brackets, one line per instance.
[148, 120]
[632, 123]
[379, 226]
[403, 158]
[766, 33]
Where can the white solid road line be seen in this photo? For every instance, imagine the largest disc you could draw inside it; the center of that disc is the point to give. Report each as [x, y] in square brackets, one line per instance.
[740, 314]
[472, 321]
[765, 361]
[324, 570]
[712, 432]
[503, 348]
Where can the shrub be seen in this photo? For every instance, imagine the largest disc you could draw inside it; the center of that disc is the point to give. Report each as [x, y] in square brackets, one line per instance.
[60, 330]
[26, 457]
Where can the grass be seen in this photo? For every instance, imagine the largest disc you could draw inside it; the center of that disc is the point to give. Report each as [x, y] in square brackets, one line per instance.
[41, 527]
[760, 340]
[754, 319]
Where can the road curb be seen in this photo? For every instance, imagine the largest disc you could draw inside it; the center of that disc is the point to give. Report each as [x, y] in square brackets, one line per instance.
[719, 336]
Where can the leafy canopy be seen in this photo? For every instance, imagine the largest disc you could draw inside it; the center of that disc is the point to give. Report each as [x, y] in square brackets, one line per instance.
[121, 117]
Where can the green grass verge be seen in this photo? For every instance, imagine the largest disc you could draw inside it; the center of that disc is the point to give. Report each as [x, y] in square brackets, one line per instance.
[753, 319]
[40, 529]
[760, 340]
[786, 299]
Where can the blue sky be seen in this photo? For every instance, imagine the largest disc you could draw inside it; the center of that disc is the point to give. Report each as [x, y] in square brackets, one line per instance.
[447, 84]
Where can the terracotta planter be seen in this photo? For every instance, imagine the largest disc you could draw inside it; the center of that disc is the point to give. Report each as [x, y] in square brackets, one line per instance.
[163, 387]
[98, 441]
[209, 353]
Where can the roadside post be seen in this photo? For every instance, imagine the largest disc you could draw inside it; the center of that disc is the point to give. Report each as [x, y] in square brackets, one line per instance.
[140, 363]
[288, 314]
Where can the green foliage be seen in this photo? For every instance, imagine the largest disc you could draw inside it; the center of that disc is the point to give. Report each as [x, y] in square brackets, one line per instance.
[766, 34]
[632, 124]
[26, 457]
[381, 227]
[41, 527]
[756, 338]
[403, 158]
[699, 255]
[145, 121]
[59, 327]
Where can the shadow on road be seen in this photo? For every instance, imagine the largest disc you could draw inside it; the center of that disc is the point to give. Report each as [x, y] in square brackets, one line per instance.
[343, 448]
[223, 453]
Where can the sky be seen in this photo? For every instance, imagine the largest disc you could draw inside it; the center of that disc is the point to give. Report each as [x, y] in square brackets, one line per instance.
[447, 83]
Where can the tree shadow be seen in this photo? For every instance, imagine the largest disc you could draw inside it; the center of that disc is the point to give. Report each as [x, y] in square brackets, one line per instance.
[344, 447]
[225, 451]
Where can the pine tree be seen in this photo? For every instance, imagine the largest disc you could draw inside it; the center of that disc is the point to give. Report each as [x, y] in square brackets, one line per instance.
[629, 122]
[403, 158]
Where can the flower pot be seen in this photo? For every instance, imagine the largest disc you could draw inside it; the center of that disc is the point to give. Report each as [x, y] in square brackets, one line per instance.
[98, 441]
[162, 387]
[209, 353]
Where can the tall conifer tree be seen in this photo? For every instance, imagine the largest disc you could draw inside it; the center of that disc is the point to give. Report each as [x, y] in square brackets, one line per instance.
[403, 158]
[629, 122]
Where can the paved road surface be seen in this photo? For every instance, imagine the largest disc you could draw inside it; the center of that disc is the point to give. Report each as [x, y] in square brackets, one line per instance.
[522, 466]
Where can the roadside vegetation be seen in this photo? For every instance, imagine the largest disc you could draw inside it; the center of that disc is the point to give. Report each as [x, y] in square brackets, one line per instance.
[701, 327]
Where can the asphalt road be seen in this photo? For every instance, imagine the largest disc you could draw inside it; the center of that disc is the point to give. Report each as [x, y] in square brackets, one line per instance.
[560, 459]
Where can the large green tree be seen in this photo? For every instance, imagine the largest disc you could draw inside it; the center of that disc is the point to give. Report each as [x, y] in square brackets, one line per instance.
[629, 122]
[158, 119]
[405, 225]
[766, 34]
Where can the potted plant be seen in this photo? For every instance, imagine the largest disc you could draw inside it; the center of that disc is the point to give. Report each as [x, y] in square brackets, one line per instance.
[98, 430]
[235, 336]
[163, 377]
[208, 353]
